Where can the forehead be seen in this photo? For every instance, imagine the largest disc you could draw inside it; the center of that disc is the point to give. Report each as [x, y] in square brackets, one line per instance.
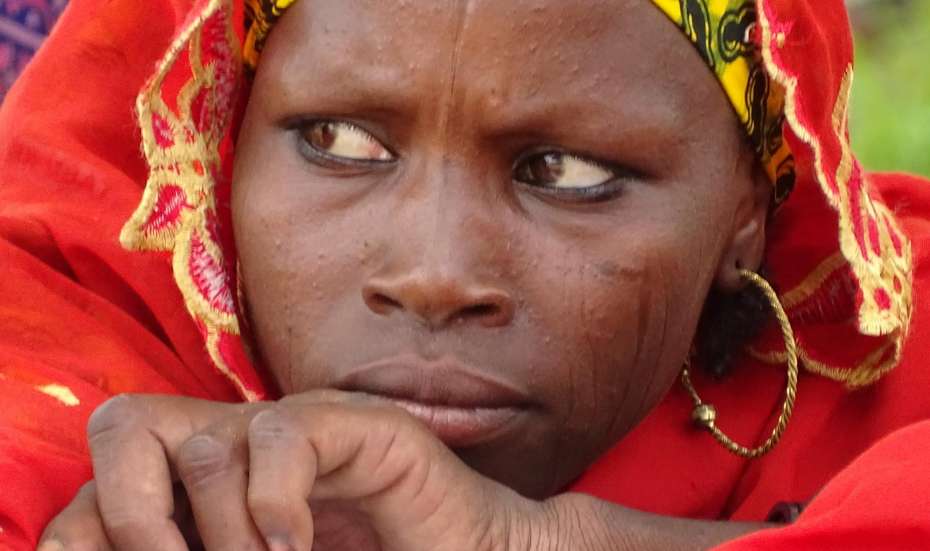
[518, 48]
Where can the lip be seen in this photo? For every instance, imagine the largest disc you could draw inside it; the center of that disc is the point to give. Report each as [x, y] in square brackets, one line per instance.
[460, 405]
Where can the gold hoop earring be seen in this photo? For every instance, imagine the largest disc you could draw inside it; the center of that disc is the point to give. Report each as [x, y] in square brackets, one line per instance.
[705, 415]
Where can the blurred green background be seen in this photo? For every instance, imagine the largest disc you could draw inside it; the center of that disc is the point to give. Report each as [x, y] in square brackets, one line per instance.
[890, 118]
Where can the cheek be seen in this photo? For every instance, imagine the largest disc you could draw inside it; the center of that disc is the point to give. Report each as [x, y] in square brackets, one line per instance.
[621, 318]
[298, 264]
[295, 292]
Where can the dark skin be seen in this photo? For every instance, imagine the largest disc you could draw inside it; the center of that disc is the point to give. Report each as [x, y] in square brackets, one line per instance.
[503, 217]
[586, 306]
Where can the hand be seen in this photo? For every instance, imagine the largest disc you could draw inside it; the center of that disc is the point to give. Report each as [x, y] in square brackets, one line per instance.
[323, 470]
[327, 471]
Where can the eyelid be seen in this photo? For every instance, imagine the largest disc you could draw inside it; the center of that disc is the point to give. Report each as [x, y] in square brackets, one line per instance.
[612, 166]
[619, 170]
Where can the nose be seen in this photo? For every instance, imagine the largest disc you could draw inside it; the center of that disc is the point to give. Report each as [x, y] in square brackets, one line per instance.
[438, 300]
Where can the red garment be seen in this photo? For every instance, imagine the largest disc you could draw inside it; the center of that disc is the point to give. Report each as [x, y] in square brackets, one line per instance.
[82, 318]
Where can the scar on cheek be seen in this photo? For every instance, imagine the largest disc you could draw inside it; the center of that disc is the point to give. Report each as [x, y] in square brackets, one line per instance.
[612, 270]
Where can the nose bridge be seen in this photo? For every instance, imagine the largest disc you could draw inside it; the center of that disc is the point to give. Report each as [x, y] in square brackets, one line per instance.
[439, 253]
[444, 217]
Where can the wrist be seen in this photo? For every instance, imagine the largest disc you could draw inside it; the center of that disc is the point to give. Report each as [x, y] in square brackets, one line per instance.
[577, 522]
[567, 522]
[583, 523]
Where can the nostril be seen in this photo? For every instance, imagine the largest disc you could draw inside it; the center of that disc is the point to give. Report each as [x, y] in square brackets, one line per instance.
[490, 313]
[382, 304]
[480, 311]
[437, 302]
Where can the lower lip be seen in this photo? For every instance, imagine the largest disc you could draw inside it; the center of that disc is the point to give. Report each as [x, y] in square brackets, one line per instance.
[460, 427]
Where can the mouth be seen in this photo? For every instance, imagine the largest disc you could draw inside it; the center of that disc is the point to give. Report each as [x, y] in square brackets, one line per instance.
[460, 405]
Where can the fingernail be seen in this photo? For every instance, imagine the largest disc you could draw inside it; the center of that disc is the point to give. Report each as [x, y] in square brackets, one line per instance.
[274, 544]
[51, 545]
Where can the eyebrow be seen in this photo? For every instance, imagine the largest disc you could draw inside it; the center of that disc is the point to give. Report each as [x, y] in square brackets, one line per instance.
[379, 87]
[642, 110]
[539, 110]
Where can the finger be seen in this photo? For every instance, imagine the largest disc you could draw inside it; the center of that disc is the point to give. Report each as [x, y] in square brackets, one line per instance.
[78, 527]
[213, 467]
[371, 451]
[412, 488]
[131, 438]
[282, 468]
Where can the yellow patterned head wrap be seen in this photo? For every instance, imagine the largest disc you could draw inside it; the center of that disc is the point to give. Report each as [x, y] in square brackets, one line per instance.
[722, 32]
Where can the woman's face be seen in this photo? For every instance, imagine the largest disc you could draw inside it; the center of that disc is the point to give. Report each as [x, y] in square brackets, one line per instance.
[505, 215]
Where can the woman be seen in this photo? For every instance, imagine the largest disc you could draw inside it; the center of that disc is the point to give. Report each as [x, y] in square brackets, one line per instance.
[517, 221]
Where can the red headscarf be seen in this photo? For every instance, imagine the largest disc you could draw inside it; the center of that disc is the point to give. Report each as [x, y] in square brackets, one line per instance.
[83, 318]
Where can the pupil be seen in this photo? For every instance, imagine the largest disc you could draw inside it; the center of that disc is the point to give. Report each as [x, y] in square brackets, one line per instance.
[323, 135]
[548, 168]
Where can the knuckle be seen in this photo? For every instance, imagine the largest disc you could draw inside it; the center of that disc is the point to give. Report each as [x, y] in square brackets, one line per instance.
[117, 414]
[202, 458]
[269, 427]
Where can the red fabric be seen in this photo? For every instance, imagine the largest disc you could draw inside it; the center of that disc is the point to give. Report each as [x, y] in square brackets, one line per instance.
[84, 315]
[77, 310]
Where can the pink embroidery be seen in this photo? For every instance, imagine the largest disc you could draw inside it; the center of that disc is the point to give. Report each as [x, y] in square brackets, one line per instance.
[833, 301]
[874, 238]
[161, 129]
[167, 211]
[882, 299]
[201, 111]
[855, 211]
[210, 278]
[895, 238]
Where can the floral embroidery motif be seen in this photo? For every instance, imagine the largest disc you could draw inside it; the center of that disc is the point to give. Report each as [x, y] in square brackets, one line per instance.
[185, 113]
[876, 252]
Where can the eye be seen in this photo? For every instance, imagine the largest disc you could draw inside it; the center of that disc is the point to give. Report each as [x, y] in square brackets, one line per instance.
[558, 171]
[341, 141]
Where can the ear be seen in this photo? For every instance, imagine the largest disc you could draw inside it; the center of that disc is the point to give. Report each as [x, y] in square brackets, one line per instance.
[747, 242]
